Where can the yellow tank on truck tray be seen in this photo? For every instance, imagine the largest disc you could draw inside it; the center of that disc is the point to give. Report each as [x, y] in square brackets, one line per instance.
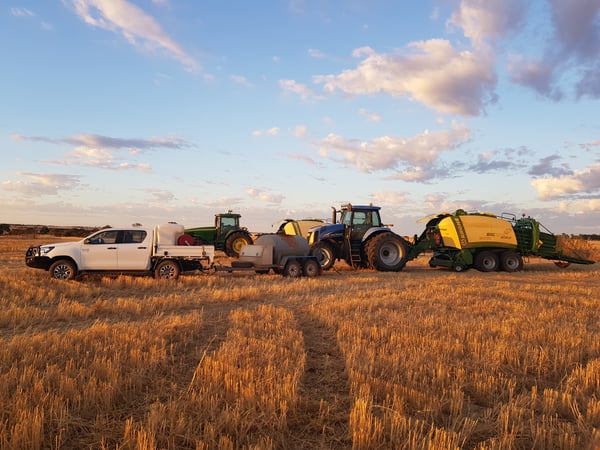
[476, 230]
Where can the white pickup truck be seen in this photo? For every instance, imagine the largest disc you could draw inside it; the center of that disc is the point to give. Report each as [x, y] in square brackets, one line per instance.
[130, 250]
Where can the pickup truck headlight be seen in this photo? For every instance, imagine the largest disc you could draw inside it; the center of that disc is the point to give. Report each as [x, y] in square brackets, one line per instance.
[46, 249]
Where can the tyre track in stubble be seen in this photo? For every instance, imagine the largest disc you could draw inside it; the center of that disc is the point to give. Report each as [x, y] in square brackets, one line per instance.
[320, 420]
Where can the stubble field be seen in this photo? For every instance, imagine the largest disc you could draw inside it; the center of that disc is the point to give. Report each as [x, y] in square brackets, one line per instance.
[421, 359]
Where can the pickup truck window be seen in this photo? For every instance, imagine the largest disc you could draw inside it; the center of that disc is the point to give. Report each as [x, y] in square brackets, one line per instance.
[133, 236]
[105, 237]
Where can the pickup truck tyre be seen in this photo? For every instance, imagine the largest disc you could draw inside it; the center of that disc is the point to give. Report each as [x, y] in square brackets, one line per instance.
[167, 270]
[312, 268]
[324, 254]
[293, 269]
[387, 252]
[63, 269]
[235, 242]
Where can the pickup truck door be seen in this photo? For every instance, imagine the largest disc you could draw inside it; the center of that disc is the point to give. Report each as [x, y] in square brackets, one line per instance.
[135, 247]
[99, 252]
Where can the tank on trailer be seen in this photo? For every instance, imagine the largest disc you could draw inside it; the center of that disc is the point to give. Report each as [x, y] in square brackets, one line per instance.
[283, 253]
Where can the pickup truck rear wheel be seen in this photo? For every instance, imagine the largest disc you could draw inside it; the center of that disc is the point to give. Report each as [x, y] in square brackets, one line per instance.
[63, 269]
[167, 270]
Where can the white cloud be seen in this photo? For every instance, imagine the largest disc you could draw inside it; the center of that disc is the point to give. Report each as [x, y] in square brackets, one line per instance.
[390, 152]
[483, 20]
[137, 27]
[300, 130]
[41, 184]
[102, 152]
[431, 72]
[584, 181]
[296, 88]
[371, 117]
[268, 132]
[263, 196]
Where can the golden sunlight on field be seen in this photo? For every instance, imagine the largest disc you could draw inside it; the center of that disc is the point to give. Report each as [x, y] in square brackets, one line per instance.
[421, 359]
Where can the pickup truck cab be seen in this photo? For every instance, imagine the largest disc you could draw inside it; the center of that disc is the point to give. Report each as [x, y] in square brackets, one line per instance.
[133, 250]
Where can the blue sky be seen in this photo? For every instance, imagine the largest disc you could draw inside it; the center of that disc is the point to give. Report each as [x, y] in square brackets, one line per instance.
[122, 111]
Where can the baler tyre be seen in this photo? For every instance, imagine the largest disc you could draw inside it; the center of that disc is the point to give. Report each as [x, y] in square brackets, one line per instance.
[63, 269]
[235, 242]
[312, 268]
[293, 269]
[511, 262]
[324, 254]
[387, 252]
[459, 268]
[487, 261]
[167, 270]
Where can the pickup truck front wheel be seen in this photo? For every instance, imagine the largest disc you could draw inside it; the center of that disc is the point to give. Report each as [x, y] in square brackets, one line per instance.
[63, 269]
[167, 270]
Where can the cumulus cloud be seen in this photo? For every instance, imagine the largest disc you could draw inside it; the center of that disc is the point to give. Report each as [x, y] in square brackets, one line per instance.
[390, 152]
[483, 21]
[102, 152]
[139, 28]
[431, 72]
[581, 182]
[41, 184]
[264, 196]
[296, 88]
[572, 51]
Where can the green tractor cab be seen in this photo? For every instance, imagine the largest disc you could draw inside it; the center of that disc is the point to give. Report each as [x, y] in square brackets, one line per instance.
[226, 235]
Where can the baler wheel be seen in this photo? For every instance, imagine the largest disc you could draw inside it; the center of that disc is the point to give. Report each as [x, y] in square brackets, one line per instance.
[511, 261]
[487, 261]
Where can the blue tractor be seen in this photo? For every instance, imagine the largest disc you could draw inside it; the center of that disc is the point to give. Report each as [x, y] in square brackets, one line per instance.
[360, 238]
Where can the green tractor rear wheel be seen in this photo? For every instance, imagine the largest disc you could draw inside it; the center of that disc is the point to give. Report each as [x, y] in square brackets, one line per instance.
[235, 242]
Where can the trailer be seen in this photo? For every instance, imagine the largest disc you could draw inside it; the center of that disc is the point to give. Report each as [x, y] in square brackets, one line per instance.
[284, 254]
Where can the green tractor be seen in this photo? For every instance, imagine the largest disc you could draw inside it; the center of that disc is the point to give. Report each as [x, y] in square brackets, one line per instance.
[227, 235]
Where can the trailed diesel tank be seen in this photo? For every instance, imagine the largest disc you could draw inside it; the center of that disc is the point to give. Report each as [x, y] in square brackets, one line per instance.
[461, 230]
[284, 245]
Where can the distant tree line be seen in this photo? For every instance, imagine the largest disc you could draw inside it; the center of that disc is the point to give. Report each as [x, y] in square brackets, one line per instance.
[43, 229]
